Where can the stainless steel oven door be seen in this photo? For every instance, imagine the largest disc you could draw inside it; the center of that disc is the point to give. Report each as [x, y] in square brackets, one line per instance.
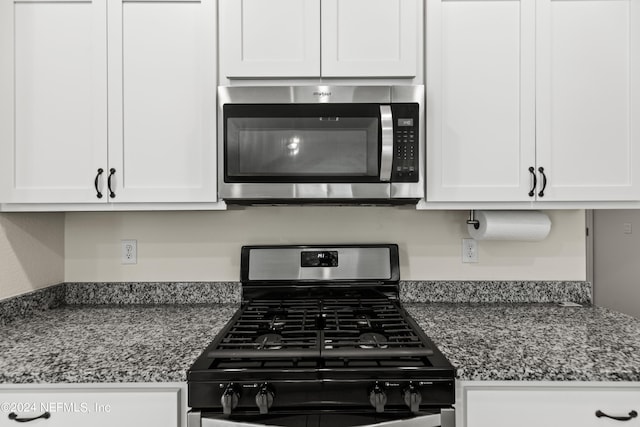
[309, 143]
[445, 419]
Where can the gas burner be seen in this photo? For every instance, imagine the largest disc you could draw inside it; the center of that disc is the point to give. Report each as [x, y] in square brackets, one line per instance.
[269, 342]
[372, 340]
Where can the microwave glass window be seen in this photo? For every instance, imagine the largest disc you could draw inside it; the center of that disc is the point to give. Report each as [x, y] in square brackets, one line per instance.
[302, 146]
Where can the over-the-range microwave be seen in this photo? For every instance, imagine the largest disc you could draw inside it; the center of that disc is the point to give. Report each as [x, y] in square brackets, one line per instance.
[321, 144]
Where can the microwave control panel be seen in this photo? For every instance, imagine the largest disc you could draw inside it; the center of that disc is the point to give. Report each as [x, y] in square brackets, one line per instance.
[405, 143]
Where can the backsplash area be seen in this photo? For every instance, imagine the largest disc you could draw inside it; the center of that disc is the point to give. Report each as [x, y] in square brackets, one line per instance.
[205, 246]
[31, 252]
[230, 293]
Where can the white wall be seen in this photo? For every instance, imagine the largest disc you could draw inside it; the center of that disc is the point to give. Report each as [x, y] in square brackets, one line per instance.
[616, 254]
[205, 246]
[31, 252]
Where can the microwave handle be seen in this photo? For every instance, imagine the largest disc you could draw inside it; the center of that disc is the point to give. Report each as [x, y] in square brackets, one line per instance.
[386, 156]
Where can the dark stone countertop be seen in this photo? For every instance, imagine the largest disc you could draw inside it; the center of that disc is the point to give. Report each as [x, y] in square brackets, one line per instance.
[485, 341]
[501, 341]
[100, 344]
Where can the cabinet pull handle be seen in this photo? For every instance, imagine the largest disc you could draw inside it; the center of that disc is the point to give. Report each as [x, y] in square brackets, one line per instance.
[544, 181]
[13, 416]
[112, 171]
[631, 415]
[95, 184]
[532, 192]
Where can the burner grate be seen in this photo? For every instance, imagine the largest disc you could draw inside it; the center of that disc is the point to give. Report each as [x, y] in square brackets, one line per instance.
[335, 327]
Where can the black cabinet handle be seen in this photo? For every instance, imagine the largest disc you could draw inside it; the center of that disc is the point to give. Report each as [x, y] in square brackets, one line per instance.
[631, 415]
[13, 416]
[544, 181]
[95, 184]
[112, 171]
[532, 170]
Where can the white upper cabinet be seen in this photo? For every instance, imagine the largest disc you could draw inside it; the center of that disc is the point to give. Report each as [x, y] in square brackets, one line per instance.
[274, 38]
[588, 98]
[319, 38]
[524, 92]
[113, 103]
[55, 139]
[370, 38]
[480, 99]
[162, 101]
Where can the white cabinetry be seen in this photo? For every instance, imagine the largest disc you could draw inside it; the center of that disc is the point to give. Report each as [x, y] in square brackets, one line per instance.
[533, 84]
[480, 99]
[97, 407]
[127, 98]
[162, 100]
[314, 38]
[549, 404]
[55, 140]
[274, 38]
[588, 98]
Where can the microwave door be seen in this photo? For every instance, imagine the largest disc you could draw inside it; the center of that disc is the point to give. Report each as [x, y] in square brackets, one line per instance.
[307, 143]
[386, 154]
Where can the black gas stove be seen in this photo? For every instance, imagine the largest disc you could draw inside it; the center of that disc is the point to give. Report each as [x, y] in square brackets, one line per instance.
[320, 339]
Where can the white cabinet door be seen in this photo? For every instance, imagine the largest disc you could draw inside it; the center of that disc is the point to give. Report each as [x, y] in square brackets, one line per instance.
[80, 408]
[588, 98]
[55, 109]
[480, 100]
[162, 111]
[274, 38]
[370, 38]
[549, 407]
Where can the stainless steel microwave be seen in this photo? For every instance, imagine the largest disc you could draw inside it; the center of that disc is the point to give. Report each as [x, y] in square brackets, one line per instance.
[321, 144]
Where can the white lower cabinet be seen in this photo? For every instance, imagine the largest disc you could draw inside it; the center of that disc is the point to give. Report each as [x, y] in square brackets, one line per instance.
[76, 406]
[548, 404]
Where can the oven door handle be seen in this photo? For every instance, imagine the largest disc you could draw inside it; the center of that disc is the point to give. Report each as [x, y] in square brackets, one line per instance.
[386, 156]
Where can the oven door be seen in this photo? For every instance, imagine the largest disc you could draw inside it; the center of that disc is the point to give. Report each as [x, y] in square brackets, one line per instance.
[321, 150]
[444, 419]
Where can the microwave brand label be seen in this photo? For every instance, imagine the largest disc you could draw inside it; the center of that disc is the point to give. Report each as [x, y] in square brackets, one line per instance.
[322, 93]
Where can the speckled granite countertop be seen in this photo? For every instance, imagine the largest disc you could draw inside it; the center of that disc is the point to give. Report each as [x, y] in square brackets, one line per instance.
[79, 344]
[527, 342]
[55, 337]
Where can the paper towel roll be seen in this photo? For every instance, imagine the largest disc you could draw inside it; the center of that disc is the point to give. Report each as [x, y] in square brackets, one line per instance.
[511, 225]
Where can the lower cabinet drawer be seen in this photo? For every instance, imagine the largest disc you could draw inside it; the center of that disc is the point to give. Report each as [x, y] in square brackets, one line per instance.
[551, 407]
[86, 407]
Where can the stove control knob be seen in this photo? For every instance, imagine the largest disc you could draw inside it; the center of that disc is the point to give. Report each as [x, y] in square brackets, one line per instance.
[264, 398]
[229, 399]
[378, 398]
[412, 397]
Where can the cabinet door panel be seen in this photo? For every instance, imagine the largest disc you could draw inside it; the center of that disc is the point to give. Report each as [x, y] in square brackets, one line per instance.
[275, 38]
[163, 126]
[548, 407]
[588, 108]
[60, 99]
[370, 38]
[75, 408]
[480, 100]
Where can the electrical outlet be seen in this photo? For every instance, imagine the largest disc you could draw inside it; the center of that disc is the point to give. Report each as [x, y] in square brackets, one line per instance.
[469, 250]
[129, 252]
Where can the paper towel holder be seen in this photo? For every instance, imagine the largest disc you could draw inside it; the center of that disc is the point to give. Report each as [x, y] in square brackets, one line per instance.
[472, 219]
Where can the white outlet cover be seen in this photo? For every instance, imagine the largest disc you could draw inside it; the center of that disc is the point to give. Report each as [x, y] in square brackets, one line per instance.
[469, 251]
[129, 252]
